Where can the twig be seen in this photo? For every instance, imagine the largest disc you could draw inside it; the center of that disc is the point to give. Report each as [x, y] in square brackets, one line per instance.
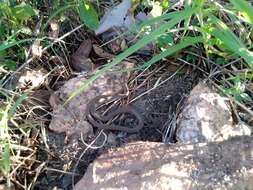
[44, 49]
[156, 85]
[88, 147]
[217, 86]
[238, 103]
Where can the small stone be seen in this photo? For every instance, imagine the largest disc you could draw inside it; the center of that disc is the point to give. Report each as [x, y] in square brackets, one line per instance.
[71, 118]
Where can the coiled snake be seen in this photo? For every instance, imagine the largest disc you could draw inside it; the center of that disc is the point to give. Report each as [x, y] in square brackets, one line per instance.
[105, 121]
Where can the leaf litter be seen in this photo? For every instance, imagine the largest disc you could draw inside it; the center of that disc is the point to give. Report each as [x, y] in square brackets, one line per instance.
[82, 60]
[118, 16]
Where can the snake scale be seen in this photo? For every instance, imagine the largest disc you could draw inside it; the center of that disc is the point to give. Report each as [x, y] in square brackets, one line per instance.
[105, 121]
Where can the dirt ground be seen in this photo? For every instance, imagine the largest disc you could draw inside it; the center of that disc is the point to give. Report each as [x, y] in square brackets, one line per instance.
[157, 92]
[158, 105]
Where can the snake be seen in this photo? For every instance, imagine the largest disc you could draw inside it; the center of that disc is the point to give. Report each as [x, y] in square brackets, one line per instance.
[105, 121]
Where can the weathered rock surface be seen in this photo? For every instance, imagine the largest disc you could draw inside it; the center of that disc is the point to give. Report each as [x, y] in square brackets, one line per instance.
[221, 162]
[70, 118]
[207, 117]
[146, 165]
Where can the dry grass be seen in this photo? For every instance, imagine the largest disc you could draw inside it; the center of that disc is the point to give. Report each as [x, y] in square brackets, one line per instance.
[24, 131]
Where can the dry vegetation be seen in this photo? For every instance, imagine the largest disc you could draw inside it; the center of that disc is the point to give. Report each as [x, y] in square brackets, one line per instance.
[213, 40]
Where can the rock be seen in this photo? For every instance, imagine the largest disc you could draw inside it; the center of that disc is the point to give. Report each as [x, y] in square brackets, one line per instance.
[207, 117]
[148, 165]
[70, 118]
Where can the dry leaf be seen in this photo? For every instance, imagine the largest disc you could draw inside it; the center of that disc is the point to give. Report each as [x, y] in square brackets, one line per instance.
[123, 45]
[102, 53]
[115, 45]
[116, 17]
[80, 59]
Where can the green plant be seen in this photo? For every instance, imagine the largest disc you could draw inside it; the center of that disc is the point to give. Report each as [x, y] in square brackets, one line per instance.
[223, 33]
[238, 90]
[88, 14]
[13, 30]
[7, 143]
[201, 26]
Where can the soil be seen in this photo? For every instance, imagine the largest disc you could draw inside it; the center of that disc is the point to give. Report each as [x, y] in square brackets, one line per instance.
[157, 107]
[58, 164]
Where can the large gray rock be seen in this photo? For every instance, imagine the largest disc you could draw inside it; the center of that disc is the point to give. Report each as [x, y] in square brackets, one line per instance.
[218, 163]
[207, 117]
[146, 165]
[70, 118]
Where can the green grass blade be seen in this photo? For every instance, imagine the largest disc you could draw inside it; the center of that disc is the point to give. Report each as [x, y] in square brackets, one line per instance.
[16, 104]
[7, 45]
[4, 120]
[230, 40]
[6, 164]
[150, 22]
[88, 14]
[58, 11]
[179, 16]
[153, 21]
[245, 8]
[230, 12]
[187, 41]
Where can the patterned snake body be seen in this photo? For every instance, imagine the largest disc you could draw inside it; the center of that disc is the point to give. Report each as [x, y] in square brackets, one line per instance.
[106, 120]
